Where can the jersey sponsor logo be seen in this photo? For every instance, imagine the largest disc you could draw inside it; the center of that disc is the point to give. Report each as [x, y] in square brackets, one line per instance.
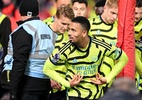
[85, 70]
[45, 36]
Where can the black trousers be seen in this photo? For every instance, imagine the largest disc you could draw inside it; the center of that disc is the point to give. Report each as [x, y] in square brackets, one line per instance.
[43, 95]
[60, 95]
[76, 98]
[3, 92]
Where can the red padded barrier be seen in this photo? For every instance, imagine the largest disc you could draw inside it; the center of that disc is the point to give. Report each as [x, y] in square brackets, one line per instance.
[126, 35]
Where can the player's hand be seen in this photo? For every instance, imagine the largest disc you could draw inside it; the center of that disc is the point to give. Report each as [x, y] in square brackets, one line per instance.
[55, 85]
[99, 80]
[75, 80]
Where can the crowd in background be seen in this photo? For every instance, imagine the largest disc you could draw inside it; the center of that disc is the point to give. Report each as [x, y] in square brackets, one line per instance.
[47, 8]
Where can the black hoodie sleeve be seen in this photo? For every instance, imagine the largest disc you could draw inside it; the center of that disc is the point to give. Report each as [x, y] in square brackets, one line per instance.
[22, 44]
[5, 30]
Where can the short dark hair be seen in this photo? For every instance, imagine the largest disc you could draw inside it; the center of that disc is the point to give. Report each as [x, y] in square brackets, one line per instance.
[83, 21]
[80, 1]
[138, 3]
[100, 3]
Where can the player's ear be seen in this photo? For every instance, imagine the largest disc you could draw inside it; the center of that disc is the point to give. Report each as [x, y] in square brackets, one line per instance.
[84, 33]
[104, 7]
[55, 18]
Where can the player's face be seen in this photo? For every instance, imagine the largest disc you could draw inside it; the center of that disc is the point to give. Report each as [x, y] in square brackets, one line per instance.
[63, 24]
[111, 15]
[138, 14]
[75, 32]
[79, 9]
[63, 2]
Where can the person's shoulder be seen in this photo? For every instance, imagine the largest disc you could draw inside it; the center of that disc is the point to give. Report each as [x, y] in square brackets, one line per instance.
[37, 23]
[3, 18]
[63, 47]
[93, 18]
[49, 20]
[101, 42]
[139, 23]
[115, 23]
[140, 20]
[19, 31]
[66, 44]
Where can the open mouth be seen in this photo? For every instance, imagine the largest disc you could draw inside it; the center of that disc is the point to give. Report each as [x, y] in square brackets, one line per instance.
[70, 38]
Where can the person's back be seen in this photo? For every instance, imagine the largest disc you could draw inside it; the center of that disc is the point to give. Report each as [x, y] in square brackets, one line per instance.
[27, 53]
[5, 30]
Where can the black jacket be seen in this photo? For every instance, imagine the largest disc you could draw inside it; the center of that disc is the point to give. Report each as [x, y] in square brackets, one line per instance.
[5, 30]
[22, 45]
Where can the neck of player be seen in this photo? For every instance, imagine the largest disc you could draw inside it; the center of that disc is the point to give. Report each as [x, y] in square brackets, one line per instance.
[84, 42]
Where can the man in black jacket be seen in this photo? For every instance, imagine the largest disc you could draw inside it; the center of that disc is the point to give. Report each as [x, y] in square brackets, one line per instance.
[29, 46]
[5, 30]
